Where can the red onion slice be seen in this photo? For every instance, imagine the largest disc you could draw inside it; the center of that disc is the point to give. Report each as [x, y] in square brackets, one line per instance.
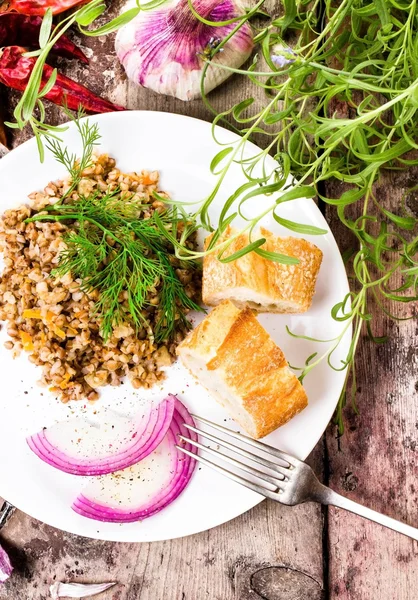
[78, 447]
[143, 489]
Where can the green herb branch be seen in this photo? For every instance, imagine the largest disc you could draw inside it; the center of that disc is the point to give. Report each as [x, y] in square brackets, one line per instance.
[361, 63]
[30, 110]
[89, 135]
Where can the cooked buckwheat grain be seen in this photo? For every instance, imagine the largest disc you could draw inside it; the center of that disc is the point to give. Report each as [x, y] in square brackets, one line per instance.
[54, 321]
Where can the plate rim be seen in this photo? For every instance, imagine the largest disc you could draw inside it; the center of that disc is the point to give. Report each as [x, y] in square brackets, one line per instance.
[170, 115]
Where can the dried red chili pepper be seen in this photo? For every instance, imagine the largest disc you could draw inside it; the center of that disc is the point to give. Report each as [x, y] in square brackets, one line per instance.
[21, 29]
[38, 7]
[3, 140]
[2, 134]
[3, 137]
[15, 71]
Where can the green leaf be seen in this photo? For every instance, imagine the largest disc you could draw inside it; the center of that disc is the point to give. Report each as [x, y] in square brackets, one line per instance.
[263, 190]
[299, 227]
[339, 42]
[240, 108]
[382, 11]
[261, 36]
[367, 102]
[277, 257]
[290, 8]
[284, 165]
[242, 252]
[89, 13]
[259, 13]
[413, 98]
[49, 85]
[30, 95]
[41, 108]
[376, 340]
[218, 233]
[359, 141]
[395, 151]
[306, 337]
[218, 158]
[151, 5]
[45, 30]
[295, 144]
[407, 223]
[33, 53]
[12, 125]
[348, 197]
[40, 146]
[272, 118]
[310, 358]
[347, 254]
[396, 298]
[303, 191]
[114, 24]
[366, 11]
[211, 23]
[411, 249]
[337, 309]
[233, 197]
[165, 200]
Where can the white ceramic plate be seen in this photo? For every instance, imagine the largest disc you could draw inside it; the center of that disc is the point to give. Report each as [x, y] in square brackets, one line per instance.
[181, 148]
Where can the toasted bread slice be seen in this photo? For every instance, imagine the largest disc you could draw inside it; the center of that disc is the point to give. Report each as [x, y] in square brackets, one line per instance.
[259, 283]
[234, 357]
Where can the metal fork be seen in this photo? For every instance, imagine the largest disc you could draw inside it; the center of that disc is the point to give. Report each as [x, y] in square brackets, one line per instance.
[287, 480]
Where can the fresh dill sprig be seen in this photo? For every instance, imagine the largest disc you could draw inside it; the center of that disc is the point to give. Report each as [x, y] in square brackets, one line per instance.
[123, 257]
[126, 258]
[90, 136]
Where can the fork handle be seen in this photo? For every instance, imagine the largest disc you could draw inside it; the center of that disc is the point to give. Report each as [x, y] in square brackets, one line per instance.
[330, 497]
[6, 512]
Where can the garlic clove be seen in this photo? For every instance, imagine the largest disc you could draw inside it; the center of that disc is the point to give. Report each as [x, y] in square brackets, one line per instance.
[6, 568]
[77, 590]
[164, 49]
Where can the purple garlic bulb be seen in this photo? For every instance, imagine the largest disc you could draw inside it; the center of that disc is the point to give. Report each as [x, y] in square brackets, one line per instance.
[165, 49]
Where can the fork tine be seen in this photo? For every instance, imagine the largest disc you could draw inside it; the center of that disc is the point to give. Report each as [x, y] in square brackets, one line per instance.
[245, 482]
[258, 459]
[290, 460]
[236, 463]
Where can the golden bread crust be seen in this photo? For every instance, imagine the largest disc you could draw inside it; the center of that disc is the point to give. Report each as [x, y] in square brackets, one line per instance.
[206, 338]
[285, 288]
[250, 364]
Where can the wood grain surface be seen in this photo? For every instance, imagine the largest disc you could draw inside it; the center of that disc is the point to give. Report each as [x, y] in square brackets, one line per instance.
[376, 462]
[272, 552]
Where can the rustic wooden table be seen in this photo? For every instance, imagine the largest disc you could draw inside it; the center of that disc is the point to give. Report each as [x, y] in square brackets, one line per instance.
[272, 552]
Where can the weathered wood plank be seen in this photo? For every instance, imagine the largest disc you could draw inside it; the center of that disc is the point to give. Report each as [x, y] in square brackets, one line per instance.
[270, 553]
[378, 464]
